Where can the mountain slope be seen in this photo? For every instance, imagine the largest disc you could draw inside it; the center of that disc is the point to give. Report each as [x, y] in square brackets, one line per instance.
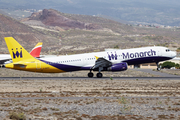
[70, 40]
[24, 34]
[111, 34]
[54, 18]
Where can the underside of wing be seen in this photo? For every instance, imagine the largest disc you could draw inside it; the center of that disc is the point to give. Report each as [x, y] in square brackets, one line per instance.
[101, 62]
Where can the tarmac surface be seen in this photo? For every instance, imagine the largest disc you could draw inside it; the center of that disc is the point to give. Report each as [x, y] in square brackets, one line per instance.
[162, 76]
[86, 78]
[156, 73]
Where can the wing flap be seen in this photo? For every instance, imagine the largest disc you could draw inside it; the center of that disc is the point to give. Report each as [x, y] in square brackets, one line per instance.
[101, 62]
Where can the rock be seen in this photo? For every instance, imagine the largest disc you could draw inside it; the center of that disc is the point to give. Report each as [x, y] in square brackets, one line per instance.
[50, 17]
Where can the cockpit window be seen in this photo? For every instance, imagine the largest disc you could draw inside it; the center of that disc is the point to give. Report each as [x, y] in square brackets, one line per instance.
[167, 50]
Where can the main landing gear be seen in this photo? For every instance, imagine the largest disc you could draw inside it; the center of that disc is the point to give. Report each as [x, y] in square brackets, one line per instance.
[90, 74]
[98, 75]
[158, 66]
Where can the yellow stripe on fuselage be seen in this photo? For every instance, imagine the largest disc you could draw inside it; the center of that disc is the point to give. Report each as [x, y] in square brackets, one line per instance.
[22, 60]
[34, 65]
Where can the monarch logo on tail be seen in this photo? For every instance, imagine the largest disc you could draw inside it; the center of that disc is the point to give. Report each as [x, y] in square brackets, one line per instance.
[17, 54]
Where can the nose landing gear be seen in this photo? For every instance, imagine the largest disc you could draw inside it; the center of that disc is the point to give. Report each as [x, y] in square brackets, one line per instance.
[158, 66]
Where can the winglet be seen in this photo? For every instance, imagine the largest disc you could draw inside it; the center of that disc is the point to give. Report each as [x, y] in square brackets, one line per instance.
[96, 57]
[35, 52]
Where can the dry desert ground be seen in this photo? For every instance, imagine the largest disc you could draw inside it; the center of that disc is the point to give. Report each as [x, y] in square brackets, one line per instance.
[88, 99]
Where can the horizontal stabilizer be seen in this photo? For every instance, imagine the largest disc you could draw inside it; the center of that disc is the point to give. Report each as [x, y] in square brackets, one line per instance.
[20, 65]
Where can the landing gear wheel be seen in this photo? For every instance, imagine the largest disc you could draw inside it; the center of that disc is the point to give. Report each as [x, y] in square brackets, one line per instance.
[158, 66]
[99, 75]
[90, 74]
[158, 69]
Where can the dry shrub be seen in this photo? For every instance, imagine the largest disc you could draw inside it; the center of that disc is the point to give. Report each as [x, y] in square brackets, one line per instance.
[17, 116]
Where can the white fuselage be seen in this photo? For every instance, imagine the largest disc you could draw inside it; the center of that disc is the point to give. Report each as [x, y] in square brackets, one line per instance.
[4, 58]
[130, 56]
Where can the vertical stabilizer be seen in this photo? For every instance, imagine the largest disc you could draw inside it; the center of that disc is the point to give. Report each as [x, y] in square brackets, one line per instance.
[35, 52]
[17, 52]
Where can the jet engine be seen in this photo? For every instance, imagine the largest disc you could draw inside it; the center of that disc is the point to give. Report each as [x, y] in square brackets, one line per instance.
[118, 67]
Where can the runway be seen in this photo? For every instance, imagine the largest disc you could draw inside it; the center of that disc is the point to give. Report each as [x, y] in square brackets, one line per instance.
[130, 74]
[86, 78]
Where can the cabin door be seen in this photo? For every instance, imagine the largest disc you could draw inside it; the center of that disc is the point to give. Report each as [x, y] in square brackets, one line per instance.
[38, 65]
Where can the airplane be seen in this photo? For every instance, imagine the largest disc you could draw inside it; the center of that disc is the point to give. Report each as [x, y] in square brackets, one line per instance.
[4, 58]
[35, 52]
[114, 60]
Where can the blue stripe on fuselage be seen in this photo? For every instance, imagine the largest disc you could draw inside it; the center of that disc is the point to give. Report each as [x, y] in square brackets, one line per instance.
[67, 68]
[146, 60]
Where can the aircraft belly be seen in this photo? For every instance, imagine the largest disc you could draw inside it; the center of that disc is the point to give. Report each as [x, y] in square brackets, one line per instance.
[146, 60]
[36, 66]
[46, 68]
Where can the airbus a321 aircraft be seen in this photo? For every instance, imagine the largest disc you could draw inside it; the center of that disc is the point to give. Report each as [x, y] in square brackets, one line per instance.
[35, 52]
[115, 60]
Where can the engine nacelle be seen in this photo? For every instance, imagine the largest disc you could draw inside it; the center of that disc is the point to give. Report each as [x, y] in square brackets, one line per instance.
[118, 67]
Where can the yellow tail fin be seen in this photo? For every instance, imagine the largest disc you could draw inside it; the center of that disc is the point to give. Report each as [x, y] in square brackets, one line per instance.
[17, 52]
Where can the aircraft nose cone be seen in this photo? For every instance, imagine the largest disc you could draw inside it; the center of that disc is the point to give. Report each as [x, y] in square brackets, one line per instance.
[173, 54]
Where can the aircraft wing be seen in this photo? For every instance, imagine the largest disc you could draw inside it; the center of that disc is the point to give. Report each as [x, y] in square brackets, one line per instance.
[3, 60]
[101, 62]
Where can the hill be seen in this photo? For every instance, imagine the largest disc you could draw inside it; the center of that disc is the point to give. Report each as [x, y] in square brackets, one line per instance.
[70, 39]
[24, 34]
[111, 33]
[54, 18]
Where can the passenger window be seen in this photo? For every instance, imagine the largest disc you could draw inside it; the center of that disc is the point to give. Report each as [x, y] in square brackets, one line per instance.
[167, 50]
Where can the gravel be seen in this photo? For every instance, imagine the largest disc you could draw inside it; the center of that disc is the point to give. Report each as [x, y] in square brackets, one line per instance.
[154, 108]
